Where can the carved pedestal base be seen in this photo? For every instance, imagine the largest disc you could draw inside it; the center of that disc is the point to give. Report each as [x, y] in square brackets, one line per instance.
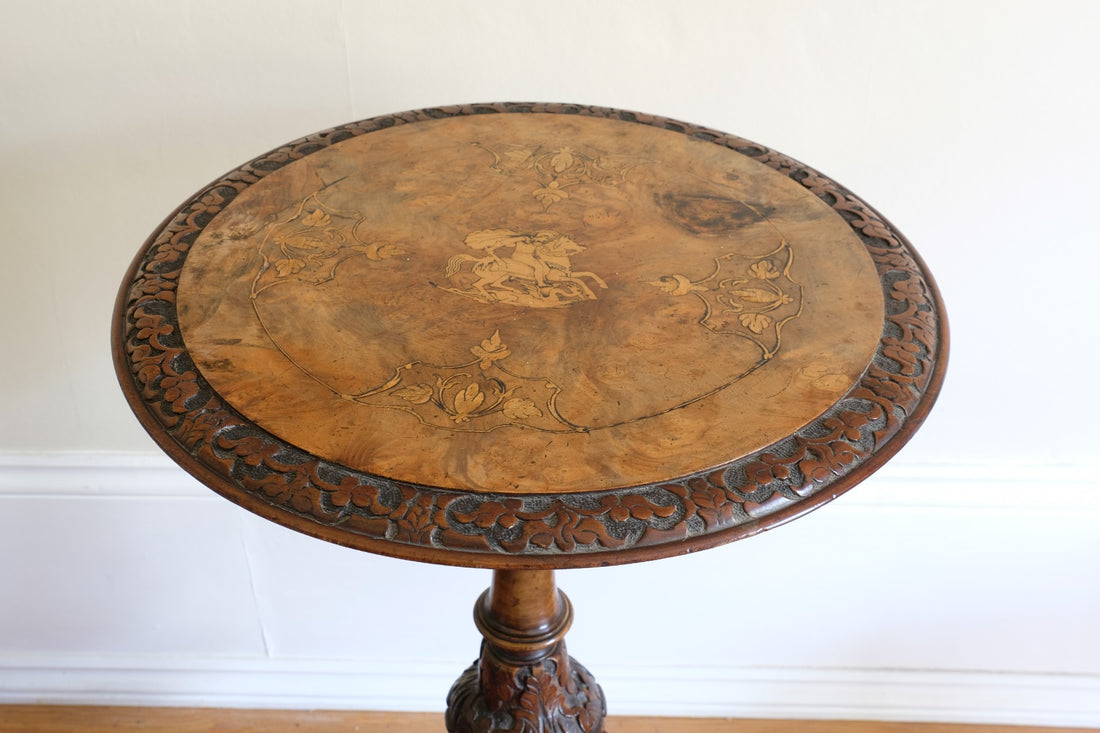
[524, 680]
[557, 695]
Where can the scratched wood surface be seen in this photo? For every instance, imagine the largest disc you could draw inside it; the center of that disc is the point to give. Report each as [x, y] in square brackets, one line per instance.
[84, 719]
[529, 303]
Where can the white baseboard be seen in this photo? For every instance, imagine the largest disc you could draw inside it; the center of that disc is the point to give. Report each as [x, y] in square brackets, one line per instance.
[1027, 694]
[96, 474]
[821, 694]
[858, 694]
[228, 682]
[899, 483]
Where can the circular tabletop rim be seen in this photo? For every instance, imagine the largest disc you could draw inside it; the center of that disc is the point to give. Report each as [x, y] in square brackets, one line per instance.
[291, 487]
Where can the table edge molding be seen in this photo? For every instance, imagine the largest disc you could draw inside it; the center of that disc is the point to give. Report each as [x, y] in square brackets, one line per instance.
[198, 429]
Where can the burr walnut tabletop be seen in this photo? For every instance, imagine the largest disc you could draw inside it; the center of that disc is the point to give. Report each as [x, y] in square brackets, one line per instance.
[526, 337]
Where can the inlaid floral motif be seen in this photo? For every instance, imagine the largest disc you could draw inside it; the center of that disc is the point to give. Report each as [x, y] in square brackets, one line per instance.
[729, 501]
[309, 243]
[748, 297]
[559, 169]
[477, 395]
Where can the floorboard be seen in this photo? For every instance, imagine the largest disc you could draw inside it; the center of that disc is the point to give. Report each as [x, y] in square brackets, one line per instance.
[87, 719]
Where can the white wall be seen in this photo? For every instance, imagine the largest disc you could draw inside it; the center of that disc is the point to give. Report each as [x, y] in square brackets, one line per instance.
[958, 584]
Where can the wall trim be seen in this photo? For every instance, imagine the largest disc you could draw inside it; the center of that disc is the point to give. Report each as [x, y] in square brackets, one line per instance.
[1006, 485]
[68, 474]
[1024, 697]
[421, 686]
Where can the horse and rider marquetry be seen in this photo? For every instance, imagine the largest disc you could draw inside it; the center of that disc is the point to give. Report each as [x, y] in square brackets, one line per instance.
[521, 268]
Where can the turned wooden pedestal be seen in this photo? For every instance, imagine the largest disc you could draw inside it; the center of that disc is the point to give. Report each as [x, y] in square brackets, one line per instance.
[524, 679]
[525, 337]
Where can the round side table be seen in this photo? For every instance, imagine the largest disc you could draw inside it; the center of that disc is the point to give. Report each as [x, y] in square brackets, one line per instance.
[527, 337]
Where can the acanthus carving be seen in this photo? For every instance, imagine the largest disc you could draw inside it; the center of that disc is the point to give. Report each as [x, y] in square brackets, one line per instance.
[553, 695]
[259, 465]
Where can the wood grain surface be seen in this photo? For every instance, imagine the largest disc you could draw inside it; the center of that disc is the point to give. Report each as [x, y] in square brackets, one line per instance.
[84, 719]
[524, 679]
[529, 304]
[527, 335]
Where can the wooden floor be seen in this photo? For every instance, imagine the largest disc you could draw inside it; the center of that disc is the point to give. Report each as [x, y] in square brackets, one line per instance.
[76, 719]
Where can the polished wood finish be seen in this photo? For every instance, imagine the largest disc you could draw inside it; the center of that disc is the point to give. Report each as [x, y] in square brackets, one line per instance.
[85, 719]
[524, 679]
[529, 304]
[528, 336]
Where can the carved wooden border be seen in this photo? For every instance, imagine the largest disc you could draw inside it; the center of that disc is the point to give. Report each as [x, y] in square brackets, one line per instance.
[287, 485]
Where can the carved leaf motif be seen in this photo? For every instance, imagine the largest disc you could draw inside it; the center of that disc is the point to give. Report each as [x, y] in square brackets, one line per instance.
[907, 289]
[417, 394]
[585, 532]
[904, 353]
[556, 695]
[493, 512]
[178, 389]
[640, 508]
[755, 322]
[415, 520]
[620, 514]
[149, 328]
